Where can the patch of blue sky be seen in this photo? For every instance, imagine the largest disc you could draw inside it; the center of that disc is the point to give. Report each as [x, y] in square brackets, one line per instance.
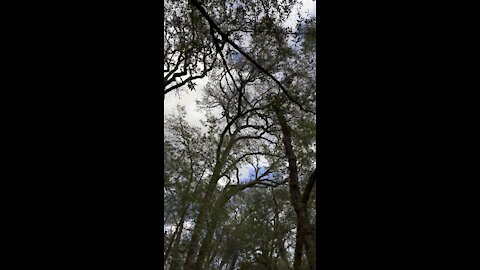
[238, 4]
[236, 56]
[250, 176]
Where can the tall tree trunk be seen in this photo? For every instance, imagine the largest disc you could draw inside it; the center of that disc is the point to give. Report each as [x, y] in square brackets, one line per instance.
[174, 262]
[283, 254]
[304, 229]
[297, 261]
[215, 220]
[234, 261]
[211, 257]
[280, 240]
[204, 204]
[198, 228]
[176, 232]
[201, 220]
[183, 214]
[206, 243]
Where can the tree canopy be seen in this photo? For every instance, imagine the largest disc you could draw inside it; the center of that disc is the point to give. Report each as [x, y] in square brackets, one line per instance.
[240, 193]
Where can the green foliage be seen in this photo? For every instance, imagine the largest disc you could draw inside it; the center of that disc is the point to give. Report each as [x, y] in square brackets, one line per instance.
[252, 224]
[310, 38]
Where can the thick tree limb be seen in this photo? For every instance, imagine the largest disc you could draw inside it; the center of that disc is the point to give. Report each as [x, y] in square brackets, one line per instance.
[232, 165]
[189, 79]
[229, 124]
[304, 230]
[254, 137]
[227, 39]
[308, 188]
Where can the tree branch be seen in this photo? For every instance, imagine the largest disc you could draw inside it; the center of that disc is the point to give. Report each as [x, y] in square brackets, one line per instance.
[227, 39]
[309, 187]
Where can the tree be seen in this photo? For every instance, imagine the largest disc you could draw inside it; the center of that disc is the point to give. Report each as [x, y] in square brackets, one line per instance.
[260, 103]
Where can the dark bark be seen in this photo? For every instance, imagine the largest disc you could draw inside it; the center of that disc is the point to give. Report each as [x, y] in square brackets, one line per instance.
[175, 234]
[221, 159]
[280, 240]
[297, 261]
[304, 229]
[205, 203]
[199, 223]
[215, 220]
[234, 261]
[174, 262]
[228, 193]
[225, 37]
[309, 187]
[207, 241]
[211, 257]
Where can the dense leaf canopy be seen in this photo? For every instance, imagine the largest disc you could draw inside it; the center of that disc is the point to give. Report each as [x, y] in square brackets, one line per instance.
[239, 191]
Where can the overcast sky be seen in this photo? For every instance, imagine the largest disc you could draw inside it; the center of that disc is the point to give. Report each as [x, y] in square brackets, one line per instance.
[188, 98]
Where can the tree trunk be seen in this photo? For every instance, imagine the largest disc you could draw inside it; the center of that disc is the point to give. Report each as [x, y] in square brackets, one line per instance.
[215, 220]
[283, 254]
[190, 260]
[206, 244]
[174, 262]
[174, 237]
[194, 241]
[304, 229]
[280, 240]
[297, 261]
[211, 257]
[234, 261]
[200, 220]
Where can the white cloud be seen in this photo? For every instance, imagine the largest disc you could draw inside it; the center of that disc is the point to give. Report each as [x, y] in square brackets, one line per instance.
[188, 224]
[308, 8]
[244, 171]
[222, 182]
[243, 174]
[186, 98]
